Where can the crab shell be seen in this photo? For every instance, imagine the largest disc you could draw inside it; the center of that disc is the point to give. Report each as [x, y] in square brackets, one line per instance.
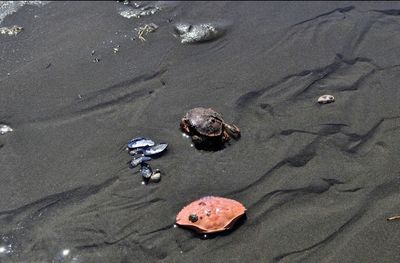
[213, 214]
[326, 99]
[206, 122]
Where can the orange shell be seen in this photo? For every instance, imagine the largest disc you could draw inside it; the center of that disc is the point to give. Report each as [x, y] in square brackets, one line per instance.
[214, 214]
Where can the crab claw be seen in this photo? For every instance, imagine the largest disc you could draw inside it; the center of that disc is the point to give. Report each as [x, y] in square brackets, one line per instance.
[232, 130]
[197, 139]
[184, 126]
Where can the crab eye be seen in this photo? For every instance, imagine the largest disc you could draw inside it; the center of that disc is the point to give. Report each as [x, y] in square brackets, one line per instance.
[193, 218]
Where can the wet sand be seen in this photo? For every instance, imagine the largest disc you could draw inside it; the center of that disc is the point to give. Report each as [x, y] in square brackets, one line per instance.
[318, 181]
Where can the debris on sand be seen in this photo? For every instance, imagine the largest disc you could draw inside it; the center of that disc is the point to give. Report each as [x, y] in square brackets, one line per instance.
[125, 2]
[197, 33]
[325, 99]
[4, 129]
[393, 218]
[138, 11]
[116, 49]
[11, 31]
[144, 30]
[140, 148]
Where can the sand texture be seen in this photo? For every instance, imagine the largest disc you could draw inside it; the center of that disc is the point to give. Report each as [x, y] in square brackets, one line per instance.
[318, 181]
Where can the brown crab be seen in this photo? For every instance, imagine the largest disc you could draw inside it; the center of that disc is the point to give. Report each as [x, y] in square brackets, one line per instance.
[206, 126]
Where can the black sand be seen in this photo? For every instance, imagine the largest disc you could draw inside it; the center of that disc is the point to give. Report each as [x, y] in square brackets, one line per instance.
[319, 181]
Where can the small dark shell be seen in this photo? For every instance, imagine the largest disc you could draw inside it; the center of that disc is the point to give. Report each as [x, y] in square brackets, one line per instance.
[140, 142]
[205, 121]
[135, 162]
[156, 149]
[146, 170]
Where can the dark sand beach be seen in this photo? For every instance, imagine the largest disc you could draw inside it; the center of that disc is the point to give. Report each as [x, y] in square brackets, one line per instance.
[318, 181]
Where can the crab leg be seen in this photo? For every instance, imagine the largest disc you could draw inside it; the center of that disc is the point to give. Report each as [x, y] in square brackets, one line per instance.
[185, 127]
[225, 136]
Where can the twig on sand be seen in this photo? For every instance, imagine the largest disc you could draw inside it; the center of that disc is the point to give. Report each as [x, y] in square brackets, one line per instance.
[393, 218]
[144, 30]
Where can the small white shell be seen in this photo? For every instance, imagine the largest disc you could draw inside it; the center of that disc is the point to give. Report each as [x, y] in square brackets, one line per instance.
[155, 177]
[324, 99]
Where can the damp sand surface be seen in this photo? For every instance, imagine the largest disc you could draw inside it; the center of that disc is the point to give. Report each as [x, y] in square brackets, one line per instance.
[318, 180]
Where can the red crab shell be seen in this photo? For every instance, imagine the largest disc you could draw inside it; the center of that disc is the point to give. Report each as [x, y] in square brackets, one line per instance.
[210, 214]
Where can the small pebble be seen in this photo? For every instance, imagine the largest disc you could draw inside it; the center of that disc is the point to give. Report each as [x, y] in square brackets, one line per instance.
[156, 176]
[324, 99]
